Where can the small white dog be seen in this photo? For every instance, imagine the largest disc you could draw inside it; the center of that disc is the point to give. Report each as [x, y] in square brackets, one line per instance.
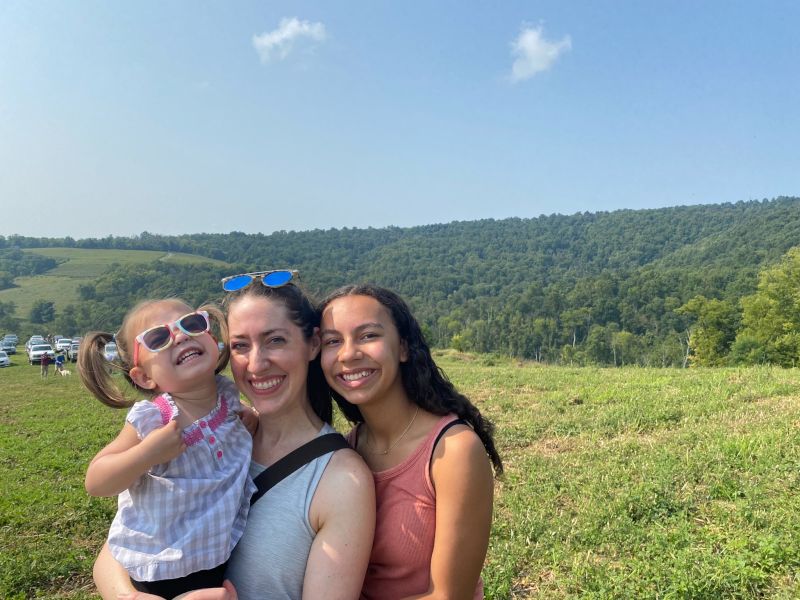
[64, 372]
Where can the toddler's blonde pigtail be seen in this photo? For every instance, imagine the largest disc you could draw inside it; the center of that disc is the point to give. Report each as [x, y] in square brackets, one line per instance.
[93, 370]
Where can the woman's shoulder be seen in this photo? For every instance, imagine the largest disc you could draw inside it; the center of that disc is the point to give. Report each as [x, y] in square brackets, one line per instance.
[459, 464]
[346, 464]
[346, 486]
[456, 442]
[346, 476]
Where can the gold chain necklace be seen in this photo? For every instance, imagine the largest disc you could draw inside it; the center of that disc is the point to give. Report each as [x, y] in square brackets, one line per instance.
[402, 435]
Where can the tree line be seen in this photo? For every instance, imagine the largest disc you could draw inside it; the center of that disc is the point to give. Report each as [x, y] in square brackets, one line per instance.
[16, 263]
[702, 285]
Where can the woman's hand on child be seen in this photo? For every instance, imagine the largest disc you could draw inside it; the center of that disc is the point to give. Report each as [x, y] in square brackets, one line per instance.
[226, 592]
[249, 417]
[138, 596]
[163, 444]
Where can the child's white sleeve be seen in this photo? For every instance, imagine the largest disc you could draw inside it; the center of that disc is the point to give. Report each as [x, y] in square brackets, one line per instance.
[146, 417]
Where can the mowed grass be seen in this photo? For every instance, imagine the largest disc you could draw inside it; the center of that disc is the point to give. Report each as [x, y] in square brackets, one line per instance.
[620, 483]
[80, 266]
[642, 483]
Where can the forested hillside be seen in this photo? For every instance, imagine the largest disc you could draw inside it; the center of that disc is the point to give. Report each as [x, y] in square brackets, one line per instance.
[661, 287]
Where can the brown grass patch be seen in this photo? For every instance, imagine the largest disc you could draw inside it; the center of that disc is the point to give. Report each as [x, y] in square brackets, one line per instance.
[528, 586]
[554, 446]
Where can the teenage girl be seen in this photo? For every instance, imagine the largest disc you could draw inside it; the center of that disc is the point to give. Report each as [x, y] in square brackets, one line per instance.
[428, 446]
[180, 463]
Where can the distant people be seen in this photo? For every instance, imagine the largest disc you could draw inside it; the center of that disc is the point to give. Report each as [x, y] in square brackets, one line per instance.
[426, 444]
[59, 363]
[179, 465]
[45, 362]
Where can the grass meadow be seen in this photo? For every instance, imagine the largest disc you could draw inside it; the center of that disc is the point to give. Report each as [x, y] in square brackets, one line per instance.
[79, 266]
[620, 483]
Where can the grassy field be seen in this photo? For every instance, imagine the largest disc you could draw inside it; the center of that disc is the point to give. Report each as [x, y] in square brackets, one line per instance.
[79, 266]
[620, 483]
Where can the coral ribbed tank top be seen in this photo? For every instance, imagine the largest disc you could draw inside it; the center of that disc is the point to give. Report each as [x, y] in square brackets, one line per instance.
[400, 563]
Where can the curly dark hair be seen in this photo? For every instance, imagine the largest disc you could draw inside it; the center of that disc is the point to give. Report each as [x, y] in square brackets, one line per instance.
[303, 314]
[423, 381]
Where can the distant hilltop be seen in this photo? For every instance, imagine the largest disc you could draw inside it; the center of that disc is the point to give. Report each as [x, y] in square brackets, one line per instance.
[588, 288]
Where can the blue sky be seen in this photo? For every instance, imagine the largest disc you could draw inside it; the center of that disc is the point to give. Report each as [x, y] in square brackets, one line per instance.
[186, 117]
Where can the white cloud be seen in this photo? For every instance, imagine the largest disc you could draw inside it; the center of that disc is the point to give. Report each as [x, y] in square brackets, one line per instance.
[534, 54]
[278, 43]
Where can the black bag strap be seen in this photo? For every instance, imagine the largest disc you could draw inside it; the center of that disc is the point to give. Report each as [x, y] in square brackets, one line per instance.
[303, 455]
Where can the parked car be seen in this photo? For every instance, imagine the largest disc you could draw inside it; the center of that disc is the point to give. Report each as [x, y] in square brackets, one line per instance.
[37, 350]
[34, 339]
[63, 344]
[72, 352]
[8, 347]
[110, 352]
[4, 360]
[11, 337]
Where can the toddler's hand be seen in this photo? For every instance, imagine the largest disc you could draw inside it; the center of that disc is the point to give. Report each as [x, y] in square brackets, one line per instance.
[163, 444]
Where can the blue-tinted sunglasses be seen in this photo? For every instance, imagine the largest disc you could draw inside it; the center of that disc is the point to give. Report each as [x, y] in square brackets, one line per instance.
[271, 279]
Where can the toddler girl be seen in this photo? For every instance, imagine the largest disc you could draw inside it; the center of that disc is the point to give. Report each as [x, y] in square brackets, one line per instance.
[180, 462]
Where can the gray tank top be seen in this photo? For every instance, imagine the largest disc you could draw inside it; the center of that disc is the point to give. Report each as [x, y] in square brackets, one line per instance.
[270, 559]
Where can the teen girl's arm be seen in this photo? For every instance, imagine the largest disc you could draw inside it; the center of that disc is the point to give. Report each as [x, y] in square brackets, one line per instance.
[462, 478]
[117, 466]
[343, 513]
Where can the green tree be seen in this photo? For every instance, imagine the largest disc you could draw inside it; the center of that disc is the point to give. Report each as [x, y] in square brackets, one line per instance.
[771, 316]
[713, 332]
[574, 321]
[8, 322]
[626, 348]
[598, 345]
[67, 321]
[42, 311]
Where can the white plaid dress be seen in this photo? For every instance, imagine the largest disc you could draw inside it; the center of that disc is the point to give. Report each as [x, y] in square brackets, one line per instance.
[186, 515]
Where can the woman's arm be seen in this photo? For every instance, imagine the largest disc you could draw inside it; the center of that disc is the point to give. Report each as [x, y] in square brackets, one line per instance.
[343, 512]
[462, 478]
[117, 466]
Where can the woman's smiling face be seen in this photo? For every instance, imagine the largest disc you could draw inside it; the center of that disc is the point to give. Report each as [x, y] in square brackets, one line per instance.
[361, 349]
[269, 354]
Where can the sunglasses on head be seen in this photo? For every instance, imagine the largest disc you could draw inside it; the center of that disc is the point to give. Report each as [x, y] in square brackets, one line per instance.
[161, 337]
[272, 279]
